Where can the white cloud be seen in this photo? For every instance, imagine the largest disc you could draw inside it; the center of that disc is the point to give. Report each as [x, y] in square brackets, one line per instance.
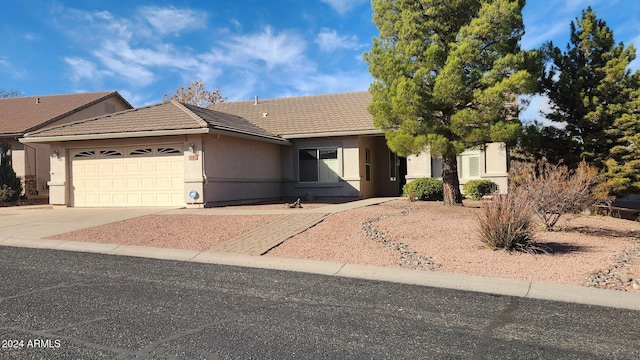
[329, 40]
[343, 6]
[171, 20]
[83, 69]
[273, 49]
[136, 56]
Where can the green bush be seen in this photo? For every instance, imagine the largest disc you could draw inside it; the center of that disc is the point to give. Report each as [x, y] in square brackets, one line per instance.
[6, 194]
[505, 223]
[424, 189]
[9, 182]
[476, 189]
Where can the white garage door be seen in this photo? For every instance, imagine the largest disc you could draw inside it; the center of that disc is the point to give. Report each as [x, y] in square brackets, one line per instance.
[140, 176]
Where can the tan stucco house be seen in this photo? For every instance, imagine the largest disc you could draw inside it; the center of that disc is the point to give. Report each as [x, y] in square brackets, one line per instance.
[173, 154]
[20, 115]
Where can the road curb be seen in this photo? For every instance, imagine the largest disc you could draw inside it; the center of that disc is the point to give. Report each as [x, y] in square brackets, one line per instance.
[507, 287]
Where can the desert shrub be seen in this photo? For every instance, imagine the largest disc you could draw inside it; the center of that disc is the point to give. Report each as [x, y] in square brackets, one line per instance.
[505, 223]
[9, 182]
[476, 189]
[425, 189]
[555, 190]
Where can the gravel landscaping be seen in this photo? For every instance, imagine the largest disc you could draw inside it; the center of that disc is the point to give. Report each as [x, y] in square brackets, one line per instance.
[587, 250]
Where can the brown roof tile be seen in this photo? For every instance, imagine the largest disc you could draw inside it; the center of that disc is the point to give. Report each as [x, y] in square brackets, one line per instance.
[163, 116]
[22, 114]
[306, 115]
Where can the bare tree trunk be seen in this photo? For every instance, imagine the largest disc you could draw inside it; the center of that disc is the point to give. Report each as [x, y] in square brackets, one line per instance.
[451, 183]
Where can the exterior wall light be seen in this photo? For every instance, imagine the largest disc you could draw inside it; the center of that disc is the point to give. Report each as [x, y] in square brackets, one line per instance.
[192, 148]
[56, 154]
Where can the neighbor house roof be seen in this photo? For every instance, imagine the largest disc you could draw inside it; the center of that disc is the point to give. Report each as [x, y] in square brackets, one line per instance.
[307, 116]
[167, 118]
[23, 114]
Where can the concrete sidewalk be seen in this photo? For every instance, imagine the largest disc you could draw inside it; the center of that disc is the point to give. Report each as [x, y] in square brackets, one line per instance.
[508, 287]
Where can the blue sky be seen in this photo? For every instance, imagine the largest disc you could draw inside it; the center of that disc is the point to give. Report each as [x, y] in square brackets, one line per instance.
[277, 48]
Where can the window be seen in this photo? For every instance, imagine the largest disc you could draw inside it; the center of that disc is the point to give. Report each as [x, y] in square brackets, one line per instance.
[141, 152]
[110, 153]
[168, 151]
[367, 164]
[436, 167]
[393, 166]
[318, 165]
[469, 166]
[85, 154]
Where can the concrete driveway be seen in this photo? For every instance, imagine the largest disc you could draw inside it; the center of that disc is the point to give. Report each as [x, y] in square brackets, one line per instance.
[37, 222]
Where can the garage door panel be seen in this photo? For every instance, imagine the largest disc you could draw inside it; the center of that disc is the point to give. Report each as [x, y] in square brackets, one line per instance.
[133, 184]
[133, 167]
[105, 184]
[148, 199]
[147, 166]
[89, 184]
[116, 178]
[177, 182]
[105, 168]
[119, 168]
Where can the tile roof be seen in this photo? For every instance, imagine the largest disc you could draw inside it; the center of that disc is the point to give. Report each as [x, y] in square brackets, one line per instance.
[306, 115]
[22, 114]
[163, 116]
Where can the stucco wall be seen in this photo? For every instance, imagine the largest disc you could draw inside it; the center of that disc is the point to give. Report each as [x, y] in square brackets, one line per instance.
[496, 159]
[419, 166]
[239, 169]
[493, 162]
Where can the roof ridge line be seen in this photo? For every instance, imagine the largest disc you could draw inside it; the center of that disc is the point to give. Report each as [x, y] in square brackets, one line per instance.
[82, 121]
[193, 115]
[107, 94]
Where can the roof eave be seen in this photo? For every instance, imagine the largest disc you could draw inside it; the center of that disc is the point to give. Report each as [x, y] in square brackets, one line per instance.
[333, 134]
[105, 136]
[273, 140]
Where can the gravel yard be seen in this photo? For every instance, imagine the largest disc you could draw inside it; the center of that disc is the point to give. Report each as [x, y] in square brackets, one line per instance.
[588, 250]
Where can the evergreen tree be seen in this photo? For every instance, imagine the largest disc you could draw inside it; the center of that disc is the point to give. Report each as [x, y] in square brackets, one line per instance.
[622, 174]
[588, 85]
[10, 184]
[539, 141]
[446, 77]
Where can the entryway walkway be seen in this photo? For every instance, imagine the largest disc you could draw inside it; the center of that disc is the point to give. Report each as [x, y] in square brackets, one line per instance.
[260, 240]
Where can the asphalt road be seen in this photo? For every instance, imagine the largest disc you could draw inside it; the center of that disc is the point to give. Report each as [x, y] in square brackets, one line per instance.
[69, 305]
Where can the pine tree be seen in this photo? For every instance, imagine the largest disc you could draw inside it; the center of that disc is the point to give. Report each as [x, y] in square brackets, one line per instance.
[622, 174]
[446, 77]
[588, 85]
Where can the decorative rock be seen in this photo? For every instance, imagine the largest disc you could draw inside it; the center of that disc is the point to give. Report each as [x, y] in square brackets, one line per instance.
[408, 257]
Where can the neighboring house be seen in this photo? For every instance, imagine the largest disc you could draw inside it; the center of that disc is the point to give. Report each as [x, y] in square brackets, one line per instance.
[173, 154]
[20, 115]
